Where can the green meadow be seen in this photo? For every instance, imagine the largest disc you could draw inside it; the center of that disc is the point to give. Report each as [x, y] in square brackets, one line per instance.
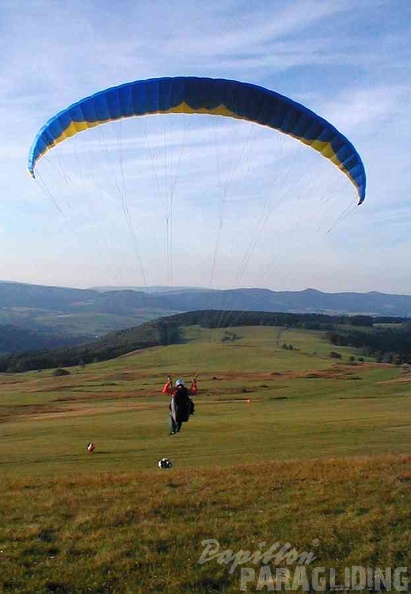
[285, 446]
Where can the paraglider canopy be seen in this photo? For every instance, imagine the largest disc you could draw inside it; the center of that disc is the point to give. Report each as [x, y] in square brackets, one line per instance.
[193, 95]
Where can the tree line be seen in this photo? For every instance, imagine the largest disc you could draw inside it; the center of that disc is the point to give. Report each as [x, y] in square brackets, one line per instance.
[390, 344]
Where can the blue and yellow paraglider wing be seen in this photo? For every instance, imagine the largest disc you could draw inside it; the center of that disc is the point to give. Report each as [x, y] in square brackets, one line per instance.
[191, 95]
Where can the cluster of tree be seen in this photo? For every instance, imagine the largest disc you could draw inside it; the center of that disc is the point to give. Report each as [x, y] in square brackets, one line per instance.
[231, 318]
[391, 344]
[230, 337]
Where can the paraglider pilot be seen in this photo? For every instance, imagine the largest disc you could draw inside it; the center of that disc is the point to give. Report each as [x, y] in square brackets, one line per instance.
[181, 405]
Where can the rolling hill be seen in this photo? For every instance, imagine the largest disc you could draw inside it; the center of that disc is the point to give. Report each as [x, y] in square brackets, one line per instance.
[58, 316]
[391, 342]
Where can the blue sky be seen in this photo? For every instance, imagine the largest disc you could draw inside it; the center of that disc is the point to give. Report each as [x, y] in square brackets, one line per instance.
[195, 200]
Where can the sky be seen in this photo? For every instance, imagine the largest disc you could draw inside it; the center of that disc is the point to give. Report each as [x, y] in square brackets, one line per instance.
[205, 201]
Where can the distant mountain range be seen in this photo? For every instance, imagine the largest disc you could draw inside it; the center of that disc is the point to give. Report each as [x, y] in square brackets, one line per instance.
[50, 316]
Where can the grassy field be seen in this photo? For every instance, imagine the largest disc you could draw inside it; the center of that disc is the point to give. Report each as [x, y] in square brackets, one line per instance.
[288, 446]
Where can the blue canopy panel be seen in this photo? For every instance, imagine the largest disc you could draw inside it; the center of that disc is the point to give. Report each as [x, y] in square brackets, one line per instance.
[204, 96]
